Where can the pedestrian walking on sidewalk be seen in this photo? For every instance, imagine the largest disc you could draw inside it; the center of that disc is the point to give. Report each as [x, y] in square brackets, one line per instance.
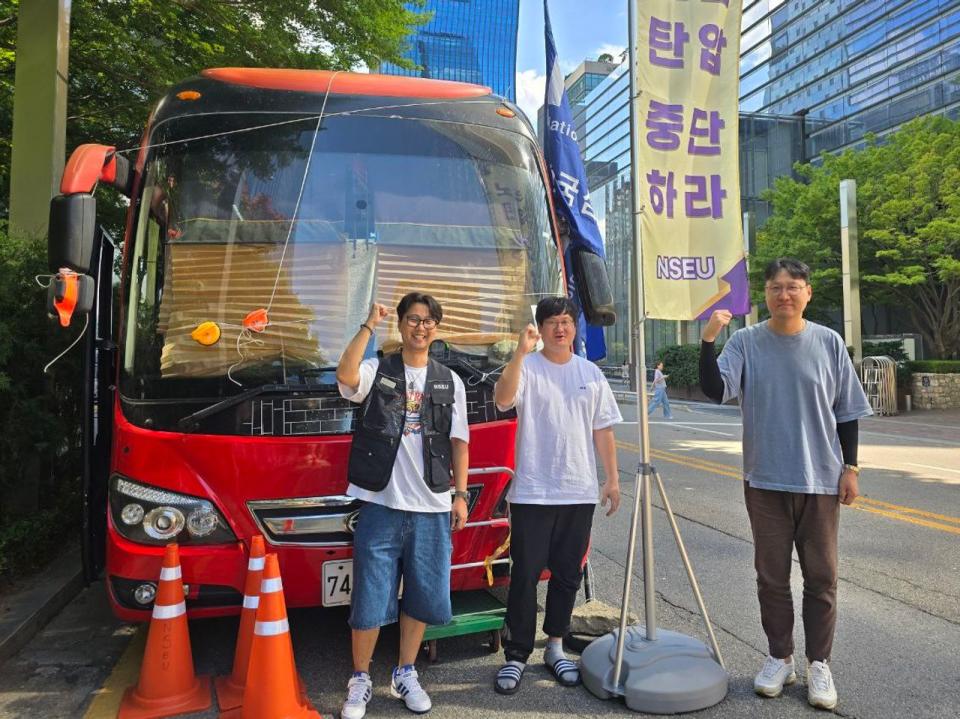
[800, 399]
[659, 398]
[564, 409]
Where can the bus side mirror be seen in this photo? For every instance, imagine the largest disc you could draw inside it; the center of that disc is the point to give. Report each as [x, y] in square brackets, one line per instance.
[593, 286]
[70, 242]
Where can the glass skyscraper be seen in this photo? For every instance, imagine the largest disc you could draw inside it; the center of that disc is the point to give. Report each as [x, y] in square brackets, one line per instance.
[815, 76]
[850, 67]
[468, 41]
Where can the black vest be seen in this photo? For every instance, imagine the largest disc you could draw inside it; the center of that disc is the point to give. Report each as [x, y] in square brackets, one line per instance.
[376, 439]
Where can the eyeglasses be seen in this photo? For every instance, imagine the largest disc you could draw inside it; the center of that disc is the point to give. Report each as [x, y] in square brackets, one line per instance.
[792, 290]
[413, 321]
[552, 324]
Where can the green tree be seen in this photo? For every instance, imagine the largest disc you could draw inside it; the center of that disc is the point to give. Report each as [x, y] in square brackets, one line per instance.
[124, 53]
[908, 203]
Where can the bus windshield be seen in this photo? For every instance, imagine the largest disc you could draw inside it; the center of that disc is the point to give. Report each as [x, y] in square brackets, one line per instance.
[262, 241]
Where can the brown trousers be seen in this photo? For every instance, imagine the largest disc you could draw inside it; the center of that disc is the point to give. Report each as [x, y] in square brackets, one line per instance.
[779, 521]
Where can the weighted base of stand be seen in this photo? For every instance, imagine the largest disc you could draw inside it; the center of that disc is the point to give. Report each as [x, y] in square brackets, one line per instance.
[670, 675]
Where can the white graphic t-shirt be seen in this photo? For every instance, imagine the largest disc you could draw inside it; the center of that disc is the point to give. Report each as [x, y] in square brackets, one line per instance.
[407, 489]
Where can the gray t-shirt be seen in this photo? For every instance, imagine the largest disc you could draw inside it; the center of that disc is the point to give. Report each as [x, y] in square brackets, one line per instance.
[793, 390]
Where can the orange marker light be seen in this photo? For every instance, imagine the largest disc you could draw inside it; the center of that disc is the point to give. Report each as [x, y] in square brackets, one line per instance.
[206, 333]
[256, 321]
[506, 112]
[188, 95]
[67, 291]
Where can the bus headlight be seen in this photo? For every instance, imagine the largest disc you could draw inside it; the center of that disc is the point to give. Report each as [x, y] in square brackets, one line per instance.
[163, 523]
[151, 515]
[202, 521]
[132, 514]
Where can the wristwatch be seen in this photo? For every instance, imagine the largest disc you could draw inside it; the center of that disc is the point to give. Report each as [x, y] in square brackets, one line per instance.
[465, 496]
[853, 468]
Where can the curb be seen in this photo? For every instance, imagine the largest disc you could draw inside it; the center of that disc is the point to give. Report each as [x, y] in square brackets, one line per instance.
[689, 404]
[27, 611]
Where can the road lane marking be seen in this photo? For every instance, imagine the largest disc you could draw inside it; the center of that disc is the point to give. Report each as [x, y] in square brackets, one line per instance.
[686, 461]
[699, 429]
[907, 438]
[698, 424]
[901, 518]
[126, 672]
[910, 510]
[898, 512]
[887, 420]
[930, 466]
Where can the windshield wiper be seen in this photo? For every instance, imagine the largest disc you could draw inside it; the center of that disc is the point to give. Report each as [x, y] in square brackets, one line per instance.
[478, 374]
[192, 421]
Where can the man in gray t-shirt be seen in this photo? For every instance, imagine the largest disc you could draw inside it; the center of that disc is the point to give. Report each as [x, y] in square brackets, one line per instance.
[800, 399]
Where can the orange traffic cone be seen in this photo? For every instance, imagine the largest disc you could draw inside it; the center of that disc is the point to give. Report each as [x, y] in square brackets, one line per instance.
[167, 683]
[230, 689]
[273, 688]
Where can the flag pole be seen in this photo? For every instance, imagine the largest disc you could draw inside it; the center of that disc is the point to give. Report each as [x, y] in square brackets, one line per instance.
[642, 508]
[662, 672]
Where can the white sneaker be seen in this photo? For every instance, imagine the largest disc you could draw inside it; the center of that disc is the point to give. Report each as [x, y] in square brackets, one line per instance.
[405, 685]
[774, 674]
[359, 693]
[821, 693]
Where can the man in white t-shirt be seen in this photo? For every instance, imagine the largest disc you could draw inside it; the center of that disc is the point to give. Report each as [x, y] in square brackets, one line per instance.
[564, 408]
[411, 435]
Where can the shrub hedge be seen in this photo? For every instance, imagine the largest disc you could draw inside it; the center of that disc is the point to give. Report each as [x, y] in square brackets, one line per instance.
[39, 416]
[682, 363]
[935, 366]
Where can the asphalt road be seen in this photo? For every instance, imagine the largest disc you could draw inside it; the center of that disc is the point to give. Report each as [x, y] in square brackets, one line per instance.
[897, 639]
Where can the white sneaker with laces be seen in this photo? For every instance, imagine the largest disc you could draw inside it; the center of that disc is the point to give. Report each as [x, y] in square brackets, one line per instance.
[774, 674]
[359, 693]
[405, 685]
[821, 692]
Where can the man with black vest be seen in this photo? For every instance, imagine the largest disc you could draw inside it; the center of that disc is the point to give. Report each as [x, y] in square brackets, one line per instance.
[410, 438]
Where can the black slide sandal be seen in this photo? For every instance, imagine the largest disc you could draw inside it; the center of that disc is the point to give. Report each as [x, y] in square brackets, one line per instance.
[564, 666]
[510, 672]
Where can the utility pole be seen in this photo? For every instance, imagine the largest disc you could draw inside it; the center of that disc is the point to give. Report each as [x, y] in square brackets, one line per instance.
[39, 113]
[749, 245]
[850, 264]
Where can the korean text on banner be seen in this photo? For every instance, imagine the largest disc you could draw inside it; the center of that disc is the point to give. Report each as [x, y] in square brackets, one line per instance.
[687, 76]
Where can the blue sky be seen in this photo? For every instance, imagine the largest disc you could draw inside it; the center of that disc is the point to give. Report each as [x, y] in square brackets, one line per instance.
[582, 29]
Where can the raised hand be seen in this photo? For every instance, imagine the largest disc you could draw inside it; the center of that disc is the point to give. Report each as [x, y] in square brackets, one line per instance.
[377, 314]
[718, 320]
[527, 340]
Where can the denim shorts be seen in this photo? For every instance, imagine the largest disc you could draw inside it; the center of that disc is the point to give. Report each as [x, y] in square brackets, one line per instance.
[389, 544]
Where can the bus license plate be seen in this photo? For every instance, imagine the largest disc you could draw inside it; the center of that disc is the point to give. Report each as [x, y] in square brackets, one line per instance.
[337, 582]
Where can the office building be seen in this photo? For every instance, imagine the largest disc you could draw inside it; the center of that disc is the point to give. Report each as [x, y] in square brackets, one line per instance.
[579, 84]
[815, 76]
[467, 41]
[850, 67]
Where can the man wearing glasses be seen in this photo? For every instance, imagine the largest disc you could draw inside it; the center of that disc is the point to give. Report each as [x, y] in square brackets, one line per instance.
[411, 436]
[800, 400]
[564, 409]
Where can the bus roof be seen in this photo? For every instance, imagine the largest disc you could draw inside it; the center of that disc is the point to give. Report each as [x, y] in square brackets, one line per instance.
[345, 83]
[285, 91]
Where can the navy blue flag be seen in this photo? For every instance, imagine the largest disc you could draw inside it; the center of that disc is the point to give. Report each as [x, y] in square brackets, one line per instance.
[571, 197]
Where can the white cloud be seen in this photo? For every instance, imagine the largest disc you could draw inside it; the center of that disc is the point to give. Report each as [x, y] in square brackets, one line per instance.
[531, 87]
